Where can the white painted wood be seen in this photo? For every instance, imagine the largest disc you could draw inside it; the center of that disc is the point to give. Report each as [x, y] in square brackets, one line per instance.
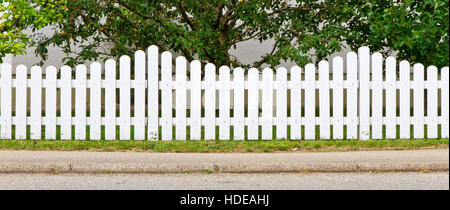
[324, 99]
[391, 98]
[281, 106]
[153, 94]
[432, 102]
[139, 95]
[267, 104]
[253, 109]
[196, 100]
[239, 104]
[377, 96]
[95, 101]
[6, 101]
[180, 121]
[21, 102]
[110, 100]
[50, 103]
[210, 102]
[224, 103]
[66, 103]
[166, 91]
[296, 103]
[80, 103]
[338, 98]
[419, 100]
[352, 95]
[36, 103]
[405, 131]
[445, 102]
[310, 102]
[364, 92]
[125, 101]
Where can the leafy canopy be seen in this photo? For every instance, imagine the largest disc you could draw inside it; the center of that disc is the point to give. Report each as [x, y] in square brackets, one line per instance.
[19, 15]
[300, 30]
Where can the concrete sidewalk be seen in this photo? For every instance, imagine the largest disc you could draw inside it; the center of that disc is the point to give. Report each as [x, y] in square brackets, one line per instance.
[117, 162]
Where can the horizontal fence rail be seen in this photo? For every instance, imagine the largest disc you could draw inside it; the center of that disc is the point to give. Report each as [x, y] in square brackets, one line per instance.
[164, 102]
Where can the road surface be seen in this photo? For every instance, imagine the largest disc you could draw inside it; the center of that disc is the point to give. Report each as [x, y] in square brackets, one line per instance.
[224, 181]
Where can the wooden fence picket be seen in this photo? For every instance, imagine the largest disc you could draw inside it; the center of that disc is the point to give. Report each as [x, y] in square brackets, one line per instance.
[224, 103]
[281, 105]
[153, 94]
[310, 102]
[166, 95]
[95, 101]
[419, 120]
[139, 95]
[36, 103]
[180, 101]
[296, 103]
[445, 102]
[125, 106]
[377, 96]
[21, 102]
[66, 103]
[352, 95]
[196, 100]
[432, 102]
[267, 104]
[110, 95]
[210, 102]
[364, 92]
[50, 103]
[239, 104]
[324, 99]
[253, 110]
[80, 103]
[338, 98]
[6, 101]
[405, 130]
[391, 98]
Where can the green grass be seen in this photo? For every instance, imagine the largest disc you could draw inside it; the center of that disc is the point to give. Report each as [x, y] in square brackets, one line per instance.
[222, 146]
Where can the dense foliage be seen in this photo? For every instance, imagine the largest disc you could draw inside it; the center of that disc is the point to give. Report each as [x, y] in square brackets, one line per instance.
[300, 30]
[19, 15]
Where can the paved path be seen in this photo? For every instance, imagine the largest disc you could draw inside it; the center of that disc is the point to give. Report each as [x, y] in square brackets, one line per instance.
[291, 181]
[120, 162]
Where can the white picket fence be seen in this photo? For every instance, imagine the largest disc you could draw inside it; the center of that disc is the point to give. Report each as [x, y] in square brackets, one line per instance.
[365, 86]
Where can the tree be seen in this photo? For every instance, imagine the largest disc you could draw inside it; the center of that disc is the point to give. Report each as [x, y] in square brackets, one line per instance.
[204, 30]
[302, 31]
[19, 15]
[415, 30]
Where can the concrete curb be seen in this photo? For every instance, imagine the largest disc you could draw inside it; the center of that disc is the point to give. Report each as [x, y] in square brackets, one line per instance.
[141, 163]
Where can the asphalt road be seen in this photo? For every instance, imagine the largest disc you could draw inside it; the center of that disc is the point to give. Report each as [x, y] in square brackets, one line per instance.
[277, 181]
